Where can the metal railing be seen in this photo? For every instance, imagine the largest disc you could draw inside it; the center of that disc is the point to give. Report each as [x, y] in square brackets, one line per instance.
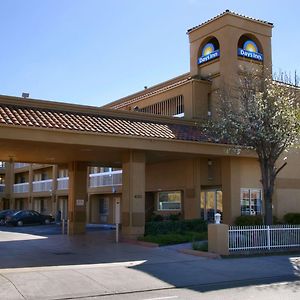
[248, 238]
[63, 183]
[2, 187]
[42, 185]
[21, 187]
[105, 179]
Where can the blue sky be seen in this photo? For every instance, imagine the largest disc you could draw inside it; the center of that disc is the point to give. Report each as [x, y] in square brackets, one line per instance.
[92, 52]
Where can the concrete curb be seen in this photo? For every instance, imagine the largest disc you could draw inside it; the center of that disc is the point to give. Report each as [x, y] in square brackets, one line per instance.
[140, 243]
[200, 253]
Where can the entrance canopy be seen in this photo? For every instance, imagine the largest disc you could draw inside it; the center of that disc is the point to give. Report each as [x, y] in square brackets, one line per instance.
[52, 132]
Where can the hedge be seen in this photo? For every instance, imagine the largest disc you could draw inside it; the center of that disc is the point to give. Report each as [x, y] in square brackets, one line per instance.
[164, 227]
[292, 218]
[248, 220]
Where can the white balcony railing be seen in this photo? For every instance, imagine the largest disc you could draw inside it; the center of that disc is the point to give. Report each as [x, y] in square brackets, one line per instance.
[106, 179]
[2, 187]
[63, 183]
[21, 187]
[42, 185]
[20, 165]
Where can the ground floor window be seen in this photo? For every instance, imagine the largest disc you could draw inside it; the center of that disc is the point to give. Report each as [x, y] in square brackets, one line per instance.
[170, 200]
[251, 201]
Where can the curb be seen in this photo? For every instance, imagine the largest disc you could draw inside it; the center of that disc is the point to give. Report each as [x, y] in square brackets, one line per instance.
[200, 253]
[140, 243]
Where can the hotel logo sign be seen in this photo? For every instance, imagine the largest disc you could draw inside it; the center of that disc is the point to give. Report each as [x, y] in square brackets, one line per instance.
[250, 50]
[208, 53]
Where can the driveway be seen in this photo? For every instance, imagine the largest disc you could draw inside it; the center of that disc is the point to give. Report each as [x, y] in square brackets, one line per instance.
[37, 266]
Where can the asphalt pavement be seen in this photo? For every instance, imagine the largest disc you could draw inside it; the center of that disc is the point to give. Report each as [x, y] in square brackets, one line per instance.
[37, 266]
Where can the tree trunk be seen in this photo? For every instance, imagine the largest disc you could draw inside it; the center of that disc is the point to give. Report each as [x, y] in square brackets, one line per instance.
[268, 179]
[268, 212]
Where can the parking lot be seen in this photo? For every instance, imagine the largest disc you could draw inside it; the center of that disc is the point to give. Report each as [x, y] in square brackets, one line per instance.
[51, 229]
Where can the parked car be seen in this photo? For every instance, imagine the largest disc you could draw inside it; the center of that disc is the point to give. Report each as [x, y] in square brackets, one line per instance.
[5, 213]
[23, 217]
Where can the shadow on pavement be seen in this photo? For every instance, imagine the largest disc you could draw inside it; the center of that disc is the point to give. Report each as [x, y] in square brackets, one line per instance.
[163, 267]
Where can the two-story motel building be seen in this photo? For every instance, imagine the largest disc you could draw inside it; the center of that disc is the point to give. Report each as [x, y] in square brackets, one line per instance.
[144, 149]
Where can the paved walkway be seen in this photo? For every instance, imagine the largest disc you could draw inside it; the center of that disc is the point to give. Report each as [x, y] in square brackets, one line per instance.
[62, 267]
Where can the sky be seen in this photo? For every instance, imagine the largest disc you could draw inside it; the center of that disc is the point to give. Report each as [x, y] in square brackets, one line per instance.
[92, 52]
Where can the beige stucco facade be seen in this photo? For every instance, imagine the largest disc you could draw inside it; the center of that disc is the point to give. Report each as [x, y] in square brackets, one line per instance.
[201, 177]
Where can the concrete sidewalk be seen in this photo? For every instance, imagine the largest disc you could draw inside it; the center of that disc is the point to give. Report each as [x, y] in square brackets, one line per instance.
[60, 267]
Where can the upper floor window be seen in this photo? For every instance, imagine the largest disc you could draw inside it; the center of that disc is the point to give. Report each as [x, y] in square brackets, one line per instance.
[62, 173]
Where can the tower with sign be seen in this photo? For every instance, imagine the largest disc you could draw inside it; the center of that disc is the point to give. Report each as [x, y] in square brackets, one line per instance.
[225, 46]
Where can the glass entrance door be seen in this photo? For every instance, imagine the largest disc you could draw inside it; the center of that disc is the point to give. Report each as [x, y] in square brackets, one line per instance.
[211, 203]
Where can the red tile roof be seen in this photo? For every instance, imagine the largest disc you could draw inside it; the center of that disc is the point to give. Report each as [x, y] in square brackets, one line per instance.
[227, 11]
[55, 119]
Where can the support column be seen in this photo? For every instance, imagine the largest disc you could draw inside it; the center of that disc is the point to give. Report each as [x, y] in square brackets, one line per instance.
[30, 189]
[133, 194]
[9, 183]
[77, 197]
[230, 189]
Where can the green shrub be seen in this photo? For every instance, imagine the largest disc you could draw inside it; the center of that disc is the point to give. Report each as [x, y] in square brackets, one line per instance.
[174, 238]
[248, 220]
[154, 228]
[200, 246]
[276, 221]
[157, 218]
[292, 218]
[174, 217]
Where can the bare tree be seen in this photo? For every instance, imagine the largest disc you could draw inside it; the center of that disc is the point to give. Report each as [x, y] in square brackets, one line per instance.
[262, 114]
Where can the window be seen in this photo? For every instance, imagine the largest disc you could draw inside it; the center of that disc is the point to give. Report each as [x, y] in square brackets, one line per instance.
[251, 202]
[37, 177]
[169, 200]
[62, 173]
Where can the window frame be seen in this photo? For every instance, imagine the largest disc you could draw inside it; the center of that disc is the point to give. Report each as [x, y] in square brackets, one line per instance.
[253, 203]
[169, 209]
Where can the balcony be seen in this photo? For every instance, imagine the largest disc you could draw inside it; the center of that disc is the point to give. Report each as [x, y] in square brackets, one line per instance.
[42, 185]
[62, 183]
[20, 165]
[2, 187]
[21, 187]
[112, 178]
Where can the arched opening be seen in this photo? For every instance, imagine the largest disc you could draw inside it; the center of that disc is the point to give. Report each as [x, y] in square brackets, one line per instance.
[249, 47]
[209, 50]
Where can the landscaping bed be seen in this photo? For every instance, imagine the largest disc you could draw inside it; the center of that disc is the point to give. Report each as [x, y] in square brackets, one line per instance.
[175, 232]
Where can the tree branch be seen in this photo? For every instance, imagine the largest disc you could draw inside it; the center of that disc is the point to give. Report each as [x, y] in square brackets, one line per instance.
[277, 171]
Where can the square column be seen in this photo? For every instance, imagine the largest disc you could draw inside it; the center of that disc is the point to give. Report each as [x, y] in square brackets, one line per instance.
[77, 197]
[133, 194]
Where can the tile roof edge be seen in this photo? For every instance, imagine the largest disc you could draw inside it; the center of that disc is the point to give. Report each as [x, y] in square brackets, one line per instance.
[228, 12]
[93, 110]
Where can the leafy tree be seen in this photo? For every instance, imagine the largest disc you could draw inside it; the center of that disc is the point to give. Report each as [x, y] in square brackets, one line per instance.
[262, 114]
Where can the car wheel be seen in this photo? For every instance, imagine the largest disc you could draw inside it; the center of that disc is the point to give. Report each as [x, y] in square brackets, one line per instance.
[47, 221]
[20, 223]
